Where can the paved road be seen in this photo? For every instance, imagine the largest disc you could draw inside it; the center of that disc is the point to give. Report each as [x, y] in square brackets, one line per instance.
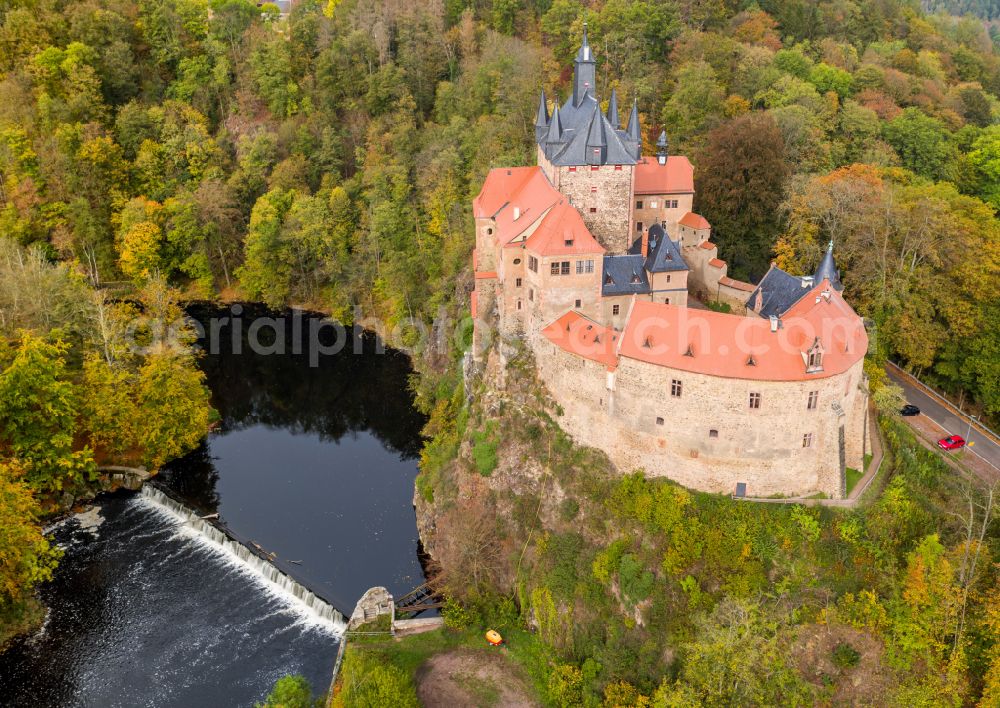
[948, 419]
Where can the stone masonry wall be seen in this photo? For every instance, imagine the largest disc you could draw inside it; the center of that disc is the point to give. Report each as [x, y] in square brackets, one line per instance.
[668, 216]
[606, 190]
[621, 413]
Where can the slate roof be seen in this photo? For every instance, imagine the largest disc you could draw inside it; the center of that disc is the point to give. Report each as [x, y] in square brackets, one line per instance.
[663, 254]
[624, 275]
[828, 270]
[578, 133]
[778, 291]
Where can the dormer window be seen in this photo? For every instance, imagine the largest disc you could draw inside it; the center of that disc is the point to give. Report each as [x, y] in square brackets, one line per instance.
[814, 357]
[635, 278]
[608, 280]
[568, 242]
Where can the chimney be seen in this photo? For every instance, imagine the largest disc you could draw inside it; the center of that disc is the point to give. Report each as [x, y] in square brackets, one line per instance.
[517, 213]
[774, 323]
[645, 244]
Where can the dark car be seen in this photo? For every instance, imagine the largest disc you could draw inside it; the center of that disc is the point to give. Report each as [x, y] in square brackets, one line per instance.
[909, 409]
[952, 442]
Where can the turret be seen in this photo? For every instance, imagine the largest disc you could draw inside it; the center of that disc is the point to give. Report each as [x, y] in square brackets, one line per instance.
[828, 270]
[554, 134]
[542, 117]
[597, 141]
[585, 73]
[633, 129]
[661, 148]
[613, 110]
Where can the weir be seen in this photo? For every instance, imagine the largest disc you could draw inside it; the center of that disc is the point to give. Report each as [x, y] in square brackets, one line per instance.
[263, 571]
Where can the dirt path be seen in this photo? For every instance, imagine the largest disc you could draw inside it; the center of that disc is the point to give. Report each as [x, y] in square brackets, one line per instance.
[467, 677]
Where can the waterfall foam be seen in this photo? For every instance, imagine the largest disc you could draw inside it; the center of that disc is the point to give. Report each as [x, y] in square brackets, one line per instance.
[313, 608]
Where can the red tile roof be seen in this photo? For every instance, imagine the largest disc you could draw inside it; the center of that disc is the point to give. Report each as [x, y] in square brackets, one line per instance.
[578, 335]
[694, 221]
[675, 177]
[723, 344]
[716, 263]
[500, 186]
[562, 232]
[707, 245]
[737, 284]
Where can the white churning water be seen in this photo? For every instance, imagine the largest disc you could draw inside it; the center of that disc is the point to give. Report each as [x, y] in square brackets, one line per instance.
[313, 609]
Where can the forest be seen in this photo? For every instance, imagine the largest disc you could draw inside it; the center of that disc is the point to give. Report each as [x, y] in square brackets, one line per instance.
[158, 151]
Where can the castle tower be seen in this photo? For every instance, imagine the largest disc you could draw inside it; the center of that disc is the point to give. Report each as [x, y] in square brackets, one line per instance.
[588, 157]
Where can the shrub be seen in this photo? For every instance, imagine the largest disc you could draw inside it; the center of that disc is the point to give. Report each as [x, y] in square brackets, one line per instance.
[290, 692]
[845, 656]
[484, 455]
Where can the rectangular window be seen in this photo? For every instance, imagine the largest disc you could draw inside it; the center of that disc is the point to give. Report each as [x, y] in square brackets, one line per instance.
[755, 400]
[593, 210]
[638, 226]
[531, 294]
[807, 440]
[554, 268]
[675, 388]
[813, 401]
[673, 204]
[517, 282]
[584, 267]
[652, 204]
[519, 304]
[638, 205]
[564, 268]
[666, 301]
[616, 309]
[713, 433]
[659, 420]
[668, 277]
[577, 304]
[532, 264]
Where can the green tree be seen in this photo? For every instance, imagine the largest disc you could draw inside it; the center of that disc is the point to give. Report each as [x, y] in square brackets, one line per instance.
[38, 412]
[922, 142]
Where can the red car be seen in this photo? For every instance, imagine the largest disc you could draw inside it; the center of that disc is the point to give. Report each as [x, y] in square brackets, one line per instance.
[952, 442]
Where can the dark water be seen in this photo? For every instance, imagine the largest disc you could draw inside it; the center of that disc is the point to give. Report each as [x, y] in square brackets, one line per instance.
[314, 464]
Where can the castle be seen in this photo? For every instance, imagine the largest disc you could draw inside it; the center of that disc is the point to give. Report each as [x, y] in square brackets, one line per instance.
[592, 257]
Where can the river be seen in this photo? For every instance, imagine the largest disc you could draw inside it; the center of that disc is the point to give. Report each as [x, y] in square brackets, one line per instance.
[311, 464]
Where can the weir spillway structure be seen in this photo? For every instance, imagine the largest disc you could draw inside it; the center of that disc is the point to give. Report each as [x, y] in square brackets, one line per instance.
[254, 564]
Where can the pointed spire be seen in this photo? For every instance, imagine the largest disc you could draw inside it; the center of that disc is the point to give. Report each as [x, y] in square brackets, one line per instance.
[584, 71]
[583, 54]
[633, 128]
[613, 110]
[555, 128]
[596, 136]
[542, 118]
[828, 270]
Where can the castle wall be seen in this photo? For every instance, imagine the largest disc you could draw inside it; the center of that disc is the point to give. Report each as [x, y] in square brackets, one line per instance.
[763, 447]
[602, 194]
[659, 209]
[553, 295]
[708, 277]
